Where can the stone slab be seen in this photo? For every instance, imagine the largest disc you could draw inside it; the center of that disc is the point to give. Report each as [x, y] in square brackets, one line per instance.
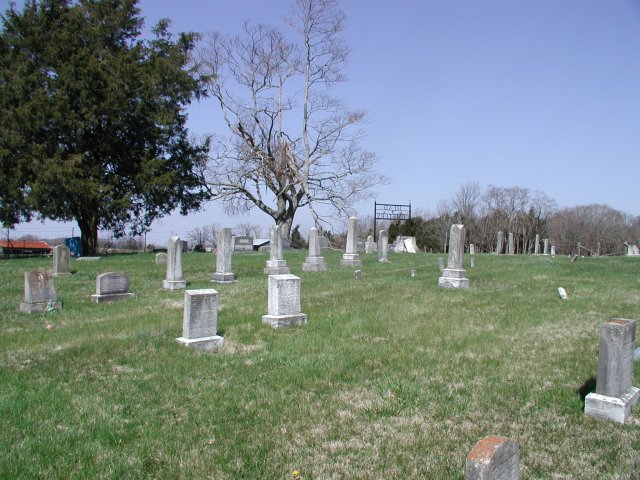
[110, 297]
[493, 458]
[448, 282]
[611, 408]
[314, 264]
[87, 259]
[351, 260]
[40, 307]
[219, 277]
[208, 344]
[174, 284]
[283, 321]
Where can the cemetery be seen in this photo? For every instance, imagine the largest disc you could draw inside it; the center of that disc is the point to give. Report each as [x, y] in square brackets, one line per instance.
[384, 376]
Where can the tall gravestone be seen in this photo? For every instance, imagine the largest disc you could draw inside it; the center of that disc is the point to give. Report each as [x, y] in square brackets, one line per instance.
[111, 287]
[493, 458]
[39, 293]
[553, 250]
[224, 248]
[536, 247]
[284, 302]
[276, 265]
[615, 395]
[61, 260]
[499, 244]
[314, 262]
[200, 320]
[472, 249]
[454, 276]
[174, 280]
[510, 245]
[545, 246]
[350, 258]
[383, 246]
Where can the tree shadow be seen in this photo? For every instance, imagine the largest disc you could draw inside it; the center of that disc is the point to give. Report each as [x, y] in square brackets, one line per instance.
[586, 388]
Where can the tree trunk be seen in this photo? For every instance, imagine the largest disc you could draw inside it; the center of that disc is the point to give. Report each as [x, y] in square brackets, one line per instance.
[89, 233]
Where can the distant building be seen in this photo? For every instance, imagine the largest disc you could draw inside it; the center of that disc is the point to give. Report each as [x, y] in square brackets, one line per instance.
[24, 247]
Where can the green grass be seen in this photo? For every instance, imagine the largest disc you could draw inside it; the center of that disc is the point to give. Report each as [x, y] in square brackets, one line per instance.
[392, 377]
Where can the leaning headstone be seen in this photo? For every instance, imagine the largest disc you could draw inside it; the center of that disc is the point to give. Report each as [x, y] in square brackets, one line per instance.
[614, 396]
[499, 243]
[350, 257]
[493, 458]
[276, 265]
[545, 246]
[61, 260]
[39, 293]
[562, 293]
[284, 302]
[223, 257]
[383, 246]
[441, 264]
[472, 249]
[510, 245]
[111, 287]
[454, 275]
[368, 246]
[242, 243]
[410, 245]
[174, 280]
[314, 262]
[200, 320]
[536, 247]
[161, 258]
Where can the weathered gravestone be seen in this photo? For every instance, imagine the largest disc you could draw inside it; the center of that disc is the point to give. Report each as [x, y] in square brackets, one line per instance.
[614, 396]
[224, 248]
[553, 250]
[383, 246]
[454, 276]
[369, 246]
[511, 249]
[161, 258]
[545, 246]
[499, 244]
[536, 246]
[314, 262]
[563, 293]
[350, 257]
[284, 302]
[200, 320]
[111, 287]
[61, 260]
[174, 280]
[276, 265]
[39, 293]
[493, 458]
[242, 243]
[410, 245]
[472, 249]
[324, 242]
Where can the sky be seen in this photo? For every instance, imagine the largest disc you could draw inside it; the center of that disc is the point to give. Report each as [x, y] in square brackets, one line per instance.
[540, 94]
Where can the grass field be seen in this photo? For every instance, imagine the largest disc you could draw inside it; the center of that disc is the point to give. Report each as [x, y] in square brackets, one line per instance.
[391, 378]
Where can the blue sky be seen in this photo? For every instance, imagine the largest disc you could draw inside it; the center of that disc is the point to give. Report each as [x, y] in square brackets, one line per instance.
[540, 94]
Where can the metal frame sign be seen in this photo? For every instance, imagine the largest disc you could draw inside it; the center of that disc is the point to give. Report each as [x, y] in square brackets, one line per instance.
[390, 211]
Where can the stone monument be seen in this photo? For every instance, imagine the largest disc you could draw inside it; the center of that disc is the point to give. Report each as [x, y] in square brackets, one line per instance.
[499, 244]
[511, 250]
[200, 320]
[454, 275]
[545, 246]
[174, 280]
[39, 293]
[536, 247]
[472, 249]
[614, 396]
[350, 258]
[161, 258]
[493, 458]
[284, 302]
[61, 260]
[369, 246]
[314, 262]
[276, 265]
[224, 248]
[383, 246]
[111, 287]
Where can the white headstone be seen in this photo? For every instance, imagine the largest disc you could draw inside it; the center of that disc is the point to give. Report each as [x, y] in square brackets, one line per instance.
[536, 247]
[314, 262]
[545, 246]
[369, 245]
[284, 302]
[174, 280]
[161, 258]
[276, 265]
[410, 245]
[454, 276]
[510, 245]
[200, 320]
[224, 249]
[351, 258]
[383, 246]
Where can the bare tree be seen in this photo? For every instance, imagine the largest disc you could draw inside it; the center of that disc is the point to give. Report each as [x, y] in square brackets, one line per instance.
[292, 144]
[248, 229]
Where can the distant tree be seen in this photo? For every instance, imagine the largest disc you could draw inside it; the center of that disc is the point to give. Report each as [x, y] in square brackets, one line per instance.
[292, 144]
[425, 231]
[296, 238]
[204, 236]
[92, 122]
[248, 229]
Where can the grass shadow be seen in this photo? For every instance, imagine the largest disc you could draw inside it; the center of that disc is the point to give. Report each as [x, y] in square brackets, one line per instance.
[586, 388]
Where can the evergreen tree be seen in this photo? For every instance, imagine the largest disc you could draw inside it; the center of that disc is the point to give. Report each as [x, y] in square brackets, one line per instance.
[92, 123]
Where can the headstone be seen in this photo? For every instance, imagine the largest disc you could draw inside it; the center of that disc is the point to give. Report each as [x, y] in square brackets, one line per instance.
[174, 280]
[200, 320]
[562, 293]
[545, 246]
[553, 251]
[510, 245]
[161, 258]
[454, 275]
[368, 246]
[398, 245]
[614, 396]
[314, 262]
[636, 251]
[473, 262]
[284, 302]
[350, 258]
[383, 246]
[499, 243]
[61, 260]
[357, 275]
[276, 265]
[413, 273]
[472, 249]
[39, 293]
[324, 242]
[536, 247]
[441, 264]
[111, 287]
[493, 458]
[242, 243]
[410, 245]
[224, 248]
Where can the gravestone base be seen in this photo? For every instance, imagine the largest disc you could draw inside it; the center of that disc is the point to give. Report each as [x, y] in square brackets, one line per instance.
[110, 297]
[174, 284]
[276, 267]
[87, 259]
[283, 321]
[208, 344]
[39, 307]
[452, 278]
[314, 264]
[58, 274]
[351, 260]
[611, 408]
[219, 277]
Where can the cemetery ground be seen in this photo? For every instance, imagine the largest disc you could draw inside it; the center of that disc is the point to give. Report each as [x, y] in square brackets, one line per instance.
[392, 377]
